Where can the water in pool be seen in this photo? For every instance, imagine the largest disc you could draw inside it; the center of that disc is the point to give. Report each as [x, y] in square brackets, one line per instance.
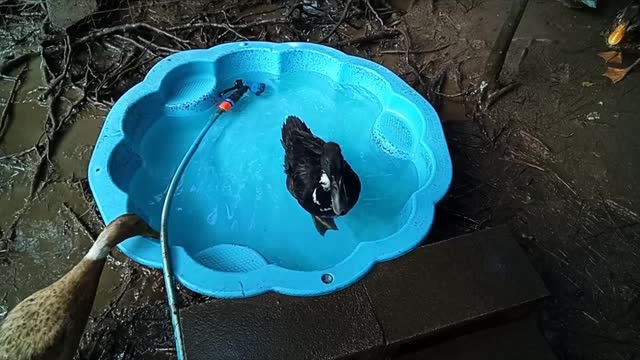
[234, 189]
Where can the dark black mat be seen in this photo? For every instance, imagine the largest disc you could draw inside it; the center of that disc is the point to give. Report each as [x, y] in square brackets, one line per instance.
[437, 291]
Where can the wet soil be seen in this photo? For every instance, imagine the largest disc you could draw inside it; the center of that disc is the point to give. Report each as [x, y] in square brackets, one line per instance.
[557, 159]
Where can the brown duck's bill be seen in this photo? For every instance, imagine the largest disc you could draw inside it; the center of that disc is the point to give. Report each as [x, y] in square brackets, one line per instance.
[324, 224]
[152, 233]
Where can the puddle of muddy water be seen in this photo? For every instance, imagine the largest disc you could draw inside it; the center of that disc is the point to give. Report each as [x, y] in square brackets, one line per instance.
[48, 242]
[26, 122]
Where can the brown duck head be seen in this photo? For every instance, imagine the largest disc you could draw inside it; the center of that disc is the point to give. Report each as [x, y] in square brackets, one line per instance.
[122, 228]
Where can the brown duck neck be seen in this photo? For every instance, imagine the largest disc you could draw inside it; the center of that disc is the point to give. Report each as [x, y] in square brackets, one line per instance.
[102, 246]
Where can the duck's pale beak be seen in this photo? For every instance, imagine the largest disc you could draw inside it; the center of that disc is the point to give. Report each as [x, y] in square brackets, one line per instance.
[617, 35]
[152, 233]
[338, 197]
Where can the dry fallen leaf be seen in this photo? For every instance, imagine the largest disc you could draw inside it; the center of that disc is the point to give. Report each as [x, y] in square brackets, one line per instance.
[616, 75]
[613, 57]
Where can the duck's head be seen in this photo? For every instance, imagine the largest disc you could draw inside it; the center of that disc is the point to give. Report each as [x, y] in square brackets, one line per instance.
[122, 228]
[627, 21]
[127, 226]
[334, 165]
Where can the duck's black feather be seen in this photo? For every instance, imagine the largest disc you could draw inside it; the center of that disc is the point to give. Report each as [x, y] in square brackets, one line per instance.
[302, 159]
[302, 165]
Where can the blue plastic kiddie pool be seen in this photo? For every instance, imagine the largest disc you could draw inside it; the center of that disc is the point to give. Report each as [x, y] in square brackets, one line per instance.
[234, 229]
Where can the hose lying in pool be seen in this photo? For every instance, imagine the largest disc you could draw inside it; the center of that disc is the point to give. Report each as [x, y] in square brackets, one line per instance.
[239, 89]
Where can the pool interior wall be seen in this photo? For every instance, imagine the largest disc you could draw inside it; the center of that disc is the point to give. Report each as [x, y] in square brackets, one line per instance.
[232, 213]
[234, 189]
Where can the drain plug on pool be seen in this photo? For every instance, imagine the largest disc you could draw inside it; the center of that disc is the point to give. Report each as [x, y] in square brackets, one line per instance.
[327, 278]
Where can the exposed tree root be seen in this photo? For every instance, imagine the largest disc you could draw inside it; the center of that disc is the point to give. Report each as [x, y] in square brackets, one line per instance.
[498, 54]
[6, 112]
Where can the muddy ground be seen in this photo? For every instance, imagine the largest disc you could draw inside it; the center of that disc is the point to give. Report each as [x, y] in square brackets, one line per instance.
[557, 158]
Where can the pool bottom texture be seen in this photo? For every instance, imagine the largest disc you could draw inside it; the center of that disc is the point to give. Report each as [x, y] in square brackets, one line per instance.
[232, 211]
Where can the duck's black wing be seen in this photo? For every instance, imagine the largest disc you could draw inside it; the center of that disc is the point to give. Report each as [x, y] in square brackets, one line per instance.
[302, 158]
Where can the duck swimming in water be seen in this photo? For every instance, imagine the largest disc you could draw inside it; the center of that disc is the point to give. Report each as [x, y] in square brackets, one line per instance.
[49, 323]
[318, 175]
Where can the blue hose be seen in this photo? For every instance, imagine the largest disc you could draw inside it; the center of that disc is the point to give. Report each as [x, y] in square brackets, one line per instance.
[239, 89]
[167, 271]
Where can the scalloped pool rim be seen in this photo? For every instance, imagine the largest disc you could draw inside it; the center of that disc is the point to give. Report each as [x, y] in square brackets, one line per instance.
[112, 201]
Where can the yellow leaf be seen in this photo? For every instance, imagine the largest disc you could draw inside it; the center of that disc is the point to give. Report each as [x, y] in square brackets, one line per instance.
[617, 34]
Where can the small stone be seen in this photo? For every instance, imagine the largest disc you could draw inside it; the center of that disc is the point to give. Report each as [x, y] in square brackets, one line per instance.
[64, 13]
[593, 116]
